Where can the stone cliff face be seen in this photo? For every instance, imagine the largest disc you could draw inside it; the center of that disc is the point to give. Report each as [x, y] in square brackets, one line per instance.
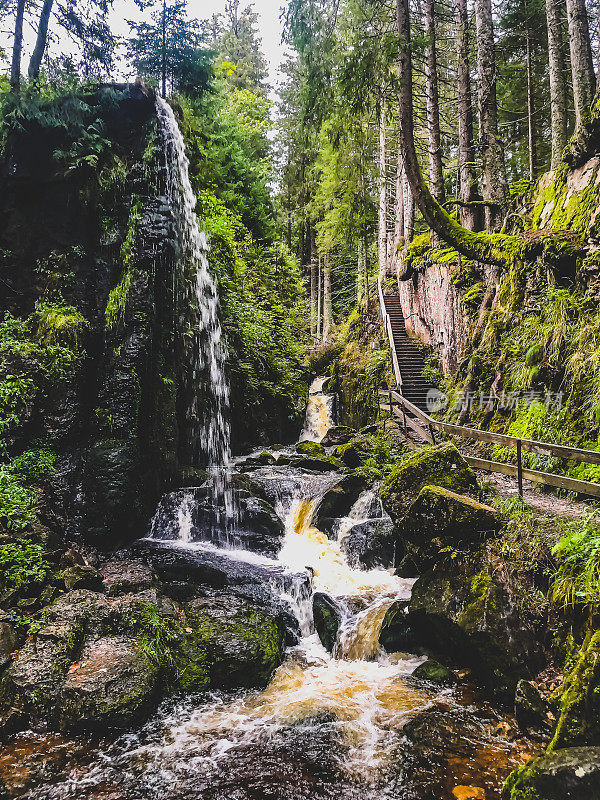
[99, 237]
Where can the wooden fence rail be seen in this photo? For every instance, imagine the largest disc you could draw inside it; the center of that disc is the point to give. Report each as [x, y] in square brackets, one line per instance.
[425, 426]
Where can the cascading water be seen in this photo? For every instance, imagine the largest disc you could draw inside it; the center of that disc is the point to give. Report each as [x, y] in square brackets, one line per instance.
[319, 412]
[207, 390]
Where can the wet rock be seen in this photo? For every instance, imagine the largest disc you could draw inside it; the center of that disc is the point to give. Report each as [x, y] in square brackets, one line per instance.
[327, 617]
[191, 569]
[258, 528]
[396, 634]
[438, 745]
[110, 686]
[315, 464]
[337, 501]
[233, 644]
[461, 610]
[33, 680]
[439, 518]
[371, 544]
[310, 449]
[571, 773]
[337, 435]
[354, 453]
[434, 672]
[245, 483]
[530, 707]
[192, 476]
[441, 465]
[81, 577]
[8, 642]
[121, 575]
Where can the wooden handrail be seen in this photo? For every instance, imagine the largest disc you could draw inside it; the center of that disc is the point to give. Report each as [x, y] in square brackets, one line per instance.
[541, 448]
[387, 329]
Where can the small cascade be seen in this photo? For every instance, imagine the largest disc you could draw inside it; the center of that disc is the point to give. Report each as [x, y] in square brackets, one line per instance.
[319, 412]
[205, 383]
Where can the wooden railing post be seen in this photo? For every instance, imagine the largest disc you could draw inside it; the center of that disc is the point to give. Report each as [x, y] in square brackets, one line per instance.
[519, 469]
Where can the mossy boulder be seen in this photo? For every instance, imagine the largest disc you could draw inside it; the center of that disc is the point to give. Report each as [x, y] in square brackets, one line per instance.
[337, 435]
[440, 518]
[440, 465]
[572, 773]
[579, 710]
[111, 685]
[231, 644]
[353, 454]
[81, 577]
[461, 609]
[327, 617]
[434, 672]
[311, 449]
[316, 464]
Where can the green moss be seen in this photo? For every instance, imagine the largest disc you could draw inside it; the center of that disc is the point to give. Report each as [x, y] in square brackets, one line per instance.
[518, 785]
[579, 713]
[441, 465]
[310, 449]
[62, 325]
[560, 208]
[118, 296]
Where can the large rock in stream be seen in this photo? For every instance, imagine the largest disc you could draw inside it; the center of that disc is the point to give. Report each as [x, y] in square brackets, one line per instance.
[461, 609]
[257, 528]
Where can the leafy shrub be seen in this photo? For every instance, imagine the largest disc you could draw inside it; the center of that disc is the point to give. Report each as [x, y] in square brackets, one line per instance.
[22, 565]
[577, 581]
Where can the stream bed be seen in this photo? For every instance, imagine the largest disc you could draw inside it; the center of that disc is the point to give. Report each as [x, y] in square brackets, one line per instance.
[352, 723]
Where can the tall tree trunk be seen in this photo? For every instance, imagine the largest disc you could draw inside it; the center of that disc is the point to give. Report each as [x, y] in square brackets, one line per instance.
[163, 66]
[15, 70]
[41, 40]
[493, 249]
[531, 132]
[360, 265]
[495, 186]
[399, 205]
[470, 215]
[319, 295]
[582, 63]
[434, 136]
[558, 89]
[314, 277]
[327, 305]
[382, 206]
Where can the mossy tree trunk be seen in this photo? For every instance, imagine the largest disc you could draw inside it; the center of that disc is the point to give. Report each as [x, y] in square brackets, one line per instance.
[558, 89]
[496, 249]
[582, 62]
[470, 212]
[495, 186]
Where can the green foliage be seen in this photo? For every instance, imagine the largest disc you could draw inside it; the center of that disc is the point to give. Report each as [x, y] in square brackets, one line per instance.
[263, 312]
[22, 565]
[60, 325]
[540, 422]
[577, 581]
[18, 503]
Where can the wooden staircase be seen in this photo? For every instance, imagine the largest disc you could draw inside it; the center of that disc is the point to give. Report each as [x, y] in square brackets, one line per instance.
[410, 356]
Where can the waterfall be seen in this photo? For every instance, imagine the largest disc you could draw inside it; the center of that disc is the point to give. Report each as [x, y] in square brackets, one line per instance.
[319, 412]
[205, 384]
